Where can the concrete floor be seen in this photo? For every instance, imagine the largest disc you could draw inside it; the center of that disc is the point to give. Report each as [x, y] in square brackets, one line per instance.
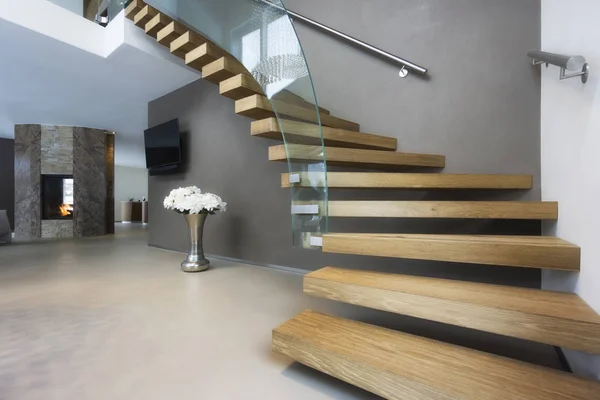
[110, 318]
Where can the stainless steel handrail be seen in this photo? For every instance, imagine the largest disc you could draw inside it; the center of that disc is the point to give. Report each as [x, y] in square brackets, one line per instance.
[566, 63]
[406, 65]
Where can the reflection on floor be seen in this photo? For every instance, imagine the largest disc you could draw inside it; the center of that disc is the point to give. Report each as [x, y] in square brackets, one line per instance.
[110, 318]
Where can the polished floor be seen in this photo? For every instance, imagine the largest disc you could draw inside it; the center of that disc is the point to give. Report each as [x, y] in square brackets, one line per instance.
[110, 318]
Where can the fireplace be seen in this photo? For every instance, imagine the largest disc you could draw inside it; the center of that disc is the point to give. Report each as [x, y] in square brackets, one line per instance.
[57, 197]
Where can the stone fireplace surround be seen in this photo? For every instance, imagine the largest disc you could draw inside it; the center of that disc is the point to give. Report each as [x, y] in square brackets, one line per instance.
[85, 153]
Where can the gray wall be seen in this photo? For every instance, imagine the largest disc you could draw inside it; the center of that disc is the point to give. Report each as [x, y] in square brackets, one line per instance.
[7, 178]
[480, 108]
[220, 156]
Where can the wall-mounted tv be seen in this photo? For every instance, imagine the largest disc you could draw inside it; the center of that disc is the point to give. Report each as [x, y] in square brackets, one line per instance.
[163, 146]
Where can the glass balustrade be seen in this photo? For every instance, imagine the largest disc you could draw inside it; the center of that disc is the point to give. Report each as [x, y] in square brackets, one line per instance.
[260, 35]
[98, 11]
[114, 7]
[275, 88]
[76, 7]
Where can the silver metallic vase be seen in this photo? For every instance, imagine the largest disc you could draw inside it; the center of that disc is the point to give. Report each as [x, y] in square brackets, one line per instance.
[195, 261]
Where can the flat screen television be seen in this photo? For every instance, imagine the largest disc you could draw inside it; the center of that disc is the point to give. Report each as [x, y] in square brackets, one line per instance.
[163, 146]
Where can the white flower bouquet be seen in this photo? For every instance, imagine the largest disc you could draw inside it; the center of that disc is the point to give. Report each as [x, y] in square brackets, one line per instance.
[191, 200]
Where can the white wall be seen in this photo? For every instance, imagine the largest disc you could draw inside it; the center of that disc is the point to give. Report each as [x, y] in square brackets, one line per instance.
[129, 182]
[56, 22]
[75, 6]
[570, 143]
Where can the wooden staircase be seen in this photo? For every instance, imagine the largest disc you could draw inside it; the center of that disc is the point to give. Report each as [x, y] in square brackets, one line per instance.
[409, 181]
[445, 209]
[396, 365]
[390, 363]
[555, 318]
[371, 159]
[514, 251]
[309, 134]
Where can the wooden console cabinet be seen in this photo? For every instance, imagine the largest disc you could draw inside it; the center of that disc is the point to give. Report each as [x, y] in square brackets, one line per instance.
[134, 211]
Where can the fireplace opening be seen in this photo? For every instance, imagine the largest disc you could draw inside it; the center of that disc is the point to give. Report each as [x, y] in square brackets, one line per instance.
[57, 197]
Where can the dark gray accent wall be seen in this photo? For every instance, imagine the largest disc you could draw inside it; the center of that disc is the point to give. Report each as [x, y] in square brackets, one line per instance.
[7, 178]
[28, 175]
[220, 156]
[480, 105]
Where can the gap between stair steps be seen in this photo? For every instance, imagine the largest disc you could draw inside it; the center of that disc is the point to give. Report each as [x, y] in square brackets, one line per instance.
[370, 159]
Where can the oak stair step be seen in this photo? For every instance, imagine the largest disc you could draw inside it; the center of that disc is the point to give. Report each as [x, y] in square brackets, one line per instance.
[223, 69]
[259, 107]
[156, 24]
[170, 33]
[554, 318]
[144, 16]
[203, 55]
[240, 86]
[304, 133]
[543, 210]
[133, 8]
[411, 181]
[516, 251]
[372, 159]
[397, 365]
[185, 43]
[244, 85]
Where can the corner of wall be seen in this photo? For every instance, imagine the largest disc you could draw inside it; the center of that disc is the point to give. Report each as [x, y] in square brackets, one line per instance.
[570, 122]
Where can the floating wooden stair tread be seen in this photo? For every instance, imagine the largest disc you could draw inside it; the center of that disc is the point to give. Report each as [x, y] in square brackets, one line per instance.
[396, 365]
[445, 209]
[517, 251]
[304, 133]
[185, 43]
[239, 87]
[224, 68]
[203, 55]
[292, 98]
[373, 159]
[133, 8]
[144, 16]
[171, 32]
[259, 107]
[157, 24]
[555, 318]
[244, 85]
[379, 180]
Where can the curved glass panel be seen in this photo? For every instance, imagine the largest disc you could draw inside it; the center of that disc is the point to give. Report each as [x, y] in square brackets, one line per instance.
[115, 7]
[277, 91]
